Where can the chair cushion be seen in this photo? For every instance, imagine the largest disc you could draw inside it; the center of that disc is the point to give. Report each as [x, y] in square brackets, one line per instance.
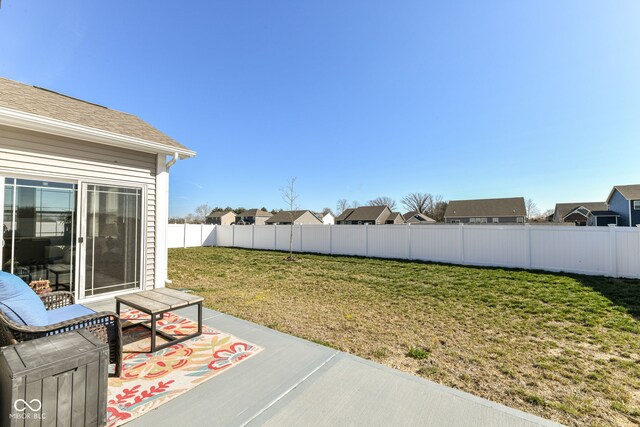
[19, 303]
[68, 312]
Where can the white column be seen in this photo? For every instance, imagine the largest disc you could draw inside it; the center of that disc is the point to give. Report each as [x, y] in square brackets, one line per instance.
[366, 240]
[461, 236]
[613, 250]
[162, 221]
[300, 238]
[330, 239]
[527, 246]
[409, 240]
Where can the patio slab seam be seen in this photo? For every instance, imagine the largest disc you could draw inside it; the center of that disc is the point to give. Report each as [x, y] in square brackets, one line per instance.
[289, 390]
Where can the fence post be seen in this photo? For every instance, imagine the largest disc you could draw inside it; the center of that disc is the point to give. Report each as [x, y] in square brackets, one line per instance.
[275, 236]
[184, 238]
[461, 233]
[366, 240]
[613, 249]
[201, 234]
[330, 239]
[527, 246]
[253, 236]
[409, 240]
[300, 238]
[233, 236]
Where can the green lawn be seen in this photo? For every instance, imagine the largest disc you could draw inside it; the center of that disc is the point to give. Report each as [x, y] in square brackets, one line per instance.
[566, 347]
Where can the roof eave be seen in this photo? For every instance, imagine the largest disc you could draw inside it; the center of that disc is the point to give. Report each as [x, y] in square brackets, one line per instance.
[34, 122]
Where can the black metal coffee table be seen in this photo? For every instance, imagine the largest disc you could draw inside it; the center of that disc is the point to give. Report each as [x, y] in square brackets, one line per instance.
[157, 302]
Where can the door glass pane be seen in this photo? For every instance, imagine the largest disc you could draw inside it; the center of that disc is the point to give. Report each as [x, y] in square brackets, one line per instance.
[113, 232]
[39, 231]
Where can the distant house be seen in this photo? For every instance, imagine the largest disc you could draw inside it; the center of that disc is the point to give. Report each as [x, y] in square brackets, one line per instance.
[395, 218]
[577, 212]
[602, 218]
[486, 211]
[624, 200]
[221, 218]
[415, 217]
[252, 216]
[364, 215]
[327, 218]
[298, 217]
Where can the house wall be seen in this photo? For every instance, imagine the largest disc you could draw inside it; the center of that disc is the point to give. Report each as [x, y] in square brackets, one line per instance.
[328, 219]
[308, 218]
[620, 205]
[501, 220]
[635, 215]
[41, 156]
[602, 221]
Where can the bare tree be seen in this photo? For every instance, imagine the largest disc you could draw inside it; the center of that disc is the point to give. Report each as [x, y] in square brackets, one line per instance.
[383, 201]
[341, 206]
[290, 196]
[201, 212]
[417, 202]
[355, 204]
[531, 208]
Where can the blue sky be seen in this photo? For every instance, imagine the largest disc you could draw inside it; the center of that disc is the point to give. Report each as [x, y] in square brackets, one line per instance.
[356, 99]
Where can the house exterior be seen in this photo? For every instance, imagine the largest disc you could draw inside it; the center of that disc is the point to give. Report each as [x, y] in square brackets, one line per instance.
[298, 217]
[415, 217]
[395, 218]
[373, 215]
[602, 218]
[625, 201]
[327, 218]
[221, 218]
[486, 211]
[83, 193]
[252, 217]
[576, 212]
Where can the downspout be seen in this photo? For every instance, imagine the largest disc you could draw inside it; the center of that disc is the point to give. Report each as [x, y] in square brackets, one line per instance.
[173, 161]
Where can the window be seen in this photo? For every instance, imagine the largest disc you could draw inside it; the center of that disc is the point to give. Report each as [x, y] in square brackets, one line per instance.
[455, 221]
[520, 220]
[496, 220]
[472, 220]
[636, 205]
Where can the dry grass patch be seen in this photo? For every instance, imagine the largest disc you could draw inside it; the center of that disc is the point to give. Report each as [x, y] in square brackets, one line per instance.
[565, 347]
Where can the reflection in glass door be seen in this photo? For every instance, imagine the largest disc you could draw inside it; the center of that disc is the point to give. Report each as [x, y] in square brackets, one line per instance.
[38, 231]
[113, 239]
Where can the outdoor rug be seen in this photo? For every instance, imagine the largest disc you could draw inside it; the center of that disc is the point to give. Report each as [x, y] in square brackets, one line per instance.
[149, 380]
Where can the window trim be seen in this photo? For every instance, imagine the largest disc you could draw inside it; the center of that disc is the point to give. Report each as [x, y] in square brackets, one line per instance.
[636, 205]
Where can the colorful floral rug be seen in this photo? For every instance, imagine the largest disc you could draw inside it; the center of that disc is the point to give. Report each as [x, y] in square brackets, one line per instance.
[149, 380]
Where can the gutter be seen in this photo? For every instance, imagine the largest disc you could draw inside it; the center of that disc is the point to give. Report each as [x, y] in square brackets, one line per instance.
[173, 161]
[34, 122]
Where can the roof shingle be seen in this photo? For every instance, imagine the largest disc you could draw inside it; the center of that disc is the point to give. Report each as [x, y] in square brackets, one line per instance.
[47, 103]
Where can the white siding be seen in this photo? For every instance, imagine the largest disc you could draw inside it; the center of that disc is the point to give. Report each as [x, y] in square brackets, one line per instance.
[24, 153]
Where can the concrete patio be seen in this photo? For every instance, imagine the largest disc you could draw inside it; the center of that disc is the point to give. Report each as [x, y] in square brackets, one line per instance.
[296, 382]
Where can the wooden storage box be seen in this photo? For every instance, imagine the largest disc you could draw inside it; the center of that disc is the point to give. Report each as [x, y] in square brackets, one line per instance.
[59, 380]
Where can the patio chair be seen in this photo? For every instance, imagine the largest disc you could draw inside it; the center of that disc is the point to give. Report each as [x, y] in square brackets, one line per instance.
[25, 316]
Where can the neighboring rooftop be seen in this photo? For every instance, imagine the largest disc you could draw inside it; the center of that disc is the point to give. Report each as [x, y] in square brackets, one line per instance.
[286, 216]
[345, 214]
[630, 192]
[47, 103]
[254, 212]
[366, 213]
[564, 209]
[393, 215]
[416, 217]
[512, 206]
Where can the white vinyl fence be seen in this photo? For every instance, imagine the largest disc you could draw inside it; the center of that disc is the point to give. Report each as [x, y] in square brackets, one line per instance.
[607, 251]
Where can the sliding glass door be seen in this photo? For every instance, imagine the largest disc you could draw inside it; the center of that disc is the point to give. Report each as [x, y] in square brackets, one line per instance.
[38, 231]
[112, 230]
